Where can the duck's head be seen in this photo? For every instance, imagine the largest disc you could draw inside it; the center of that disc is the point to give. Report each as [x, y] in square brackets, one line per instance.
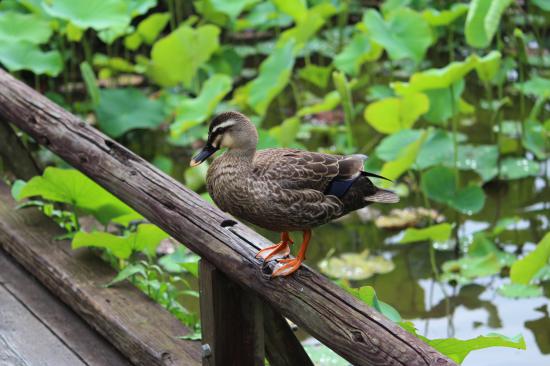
[232, 130]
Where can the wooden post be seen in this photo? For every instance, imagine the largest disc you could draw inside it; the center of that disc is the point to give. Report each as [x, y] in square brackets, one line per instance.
[22, 165]
[231, 319]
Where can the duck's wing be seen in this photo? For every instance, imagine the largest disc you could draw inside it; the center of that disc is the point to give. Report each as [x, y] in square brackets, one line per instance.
[299, 169]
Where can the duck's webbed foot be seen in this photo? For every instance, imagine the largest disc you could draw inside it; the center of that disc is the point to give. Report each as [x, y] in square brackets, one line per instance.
[277, 251]
[288, 266]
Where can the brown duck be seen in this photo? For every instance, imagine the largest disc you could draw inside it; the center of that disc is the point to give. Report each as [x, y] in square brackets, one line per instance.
[283, 189]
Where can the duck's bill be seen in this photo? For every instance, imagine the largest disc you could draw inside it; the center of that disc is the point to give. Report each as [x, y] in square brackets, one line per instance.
[204, 154]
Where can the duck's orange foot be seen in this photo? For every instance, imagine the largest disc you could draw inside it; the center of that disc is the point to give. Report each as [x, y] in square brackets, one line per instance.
[286, 267]
[277, 251]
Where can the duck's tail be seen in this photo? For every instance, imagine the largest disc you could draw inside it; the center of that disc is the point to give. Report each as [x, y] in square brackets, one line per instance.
[383, 196]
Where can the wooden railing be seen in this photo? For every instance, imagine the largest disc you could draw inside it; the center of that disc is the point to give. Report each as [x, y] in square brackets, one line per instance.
[241, 306]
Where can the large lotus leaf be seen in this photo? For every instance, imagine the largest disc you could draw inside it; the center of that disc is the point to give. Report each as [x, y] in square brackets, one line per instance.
[390, 146]
[285, 133]
[192, 112]
[480, 158]
[536, 86]
[96, 14]
[437, 233]
[232, 8]
[436, 78]
[329, 102]
[535, 138]
[149, 28]
[357, 52]
[263, 16]
[71, 186]
[473, 267]
[517, 168]
[16, 27]
[140, 7]
[482, 21]
[177, 57]
[488, 66]
[437, 18]
[404, 34]
[24, 55]
[444, 103]
[393, 169]
[397, 113]
[273, 77]
[524, 270]
[458, 349]
[440, 184]
[306, 28]
[122, 110]
[317, 75]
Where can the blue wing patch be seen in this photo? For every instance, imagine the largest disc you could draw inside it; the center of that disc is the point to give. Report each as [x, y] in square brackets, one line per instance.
[339, 187]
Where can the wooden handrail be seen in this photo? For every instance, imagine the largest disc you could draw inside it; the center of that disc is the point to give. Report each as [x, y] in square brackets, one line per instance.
[349, 327]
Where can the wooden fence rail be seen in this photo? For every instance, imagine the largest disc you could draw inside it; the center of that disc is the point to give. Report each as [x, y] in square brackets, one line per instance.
[355, 331]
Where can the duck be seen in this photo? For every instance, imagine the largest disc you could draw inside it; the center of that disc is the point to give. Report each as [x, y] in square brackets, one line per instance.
[282, 189]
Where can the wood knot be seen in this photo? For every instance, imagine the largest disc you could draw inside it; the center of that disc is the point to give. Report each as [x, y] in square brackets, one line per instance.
[166, 357]
[228, 223]
[357, 336]
[83, 158]
[43, 140]
[33, 119]
[170, 206]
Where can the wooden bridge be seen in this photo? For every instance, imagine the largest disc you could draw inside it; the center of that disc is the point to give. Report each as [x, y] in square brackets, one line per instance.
[243, 311]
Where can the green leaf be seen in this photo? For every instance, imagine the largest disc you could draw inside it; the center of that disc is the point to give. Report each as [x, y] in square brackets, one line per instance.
[437, 233]
[192, 112]
[536, 86]
[357, 52]
[296, 9]
[517, 168]
[437, 18]
[285, 133]
[122, 110]
[458, 349]
[274, 75]
[232, 8]
[317, 75]
[150, 28]
[396, 113]
[195, 177]
[182, 260]
[24, 55]
[535, 138]
[321, 355]
[487, 67]
[393, 169]
[482, 21]
[437, 149]
[439, 184]
[444, 103]
[473, 267]
[184, 46]
[523, 270]
[404, 34]
[390, 146]
[17, 27]
[329, 103]
[367, 294]
[129, 271]
[71, 186]
[91, 82]
[543, 4]
[96, 14]
[520, 291]
[480, 158]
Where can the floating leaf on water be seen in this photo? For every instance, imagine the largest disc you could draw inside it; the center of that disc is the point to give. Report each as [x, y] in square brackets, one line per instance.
[321, 355]
[520, 291]
[469, 268]
[535, 138]
[122, 110]
[517, 168]
[480, 158]
[536, 86]
[408, 217]
[436, 233]
[355, 266]
[482, 21]
[403, 34]
[458, 349]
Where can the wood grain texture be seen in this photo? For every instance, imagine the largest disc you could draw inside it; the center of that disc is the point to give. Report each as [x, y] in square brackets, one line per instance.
[23, 166]
[343, 323]
[68, 327]
[138, 327]
[231, 320]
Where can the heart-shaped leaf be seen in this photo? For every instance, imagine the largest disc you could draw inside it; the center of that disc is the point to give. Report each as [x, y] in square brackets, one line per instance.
[357, 52]
[437, 233]
[24, 55]
[517, 168]
[96, 14]
[396, 113]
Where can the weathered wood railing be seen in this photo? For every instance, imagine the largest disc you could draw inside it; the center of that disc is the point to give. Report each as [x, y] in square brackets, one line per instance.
[356, 332]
